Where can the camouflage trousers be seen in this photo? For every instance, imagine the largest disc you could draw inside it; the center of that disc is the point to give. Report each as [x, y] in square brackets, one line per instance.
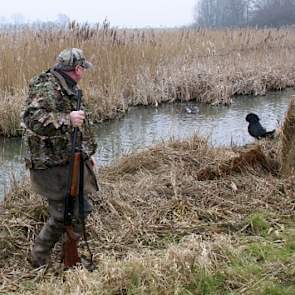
[51, 184]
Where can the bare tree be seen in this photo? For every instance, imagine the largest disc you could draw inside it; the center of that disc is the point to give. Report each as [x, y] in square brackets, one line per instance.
[204, 13]
[235, 13]
[231, 13]
[274, 13]
[219, 13]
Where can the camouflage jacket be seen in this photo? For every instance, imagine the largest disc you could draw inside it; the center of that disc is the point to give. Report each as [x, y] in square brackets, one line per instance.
[46, 119]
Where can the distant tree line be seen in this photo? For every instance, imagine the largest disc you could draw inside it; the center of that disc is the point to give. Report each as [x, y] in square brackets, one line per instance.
[237, 13]
[19, 19]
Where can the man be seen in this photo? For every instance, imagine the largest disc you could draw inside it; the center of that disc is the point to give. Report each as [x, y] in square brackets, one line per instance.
[49, 118]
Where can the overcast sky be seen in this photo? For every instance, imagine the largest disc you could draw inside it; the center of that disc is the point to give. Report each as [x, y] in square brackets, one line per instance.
[123, 13]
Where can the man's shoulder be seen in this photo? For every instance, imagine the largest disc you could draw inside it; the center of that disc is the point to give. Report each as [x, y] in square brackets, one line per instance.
[44, 80]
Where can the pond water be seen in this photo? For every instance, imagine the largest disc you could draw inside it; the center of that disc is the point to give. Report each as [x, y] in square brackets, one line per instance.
[145, 126]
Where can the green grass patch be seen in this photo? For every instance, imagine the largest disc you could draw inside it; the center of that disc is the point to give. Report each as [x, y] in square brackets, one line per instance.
[266, 251]
[277, 289]
[258, 224]
[205, 283]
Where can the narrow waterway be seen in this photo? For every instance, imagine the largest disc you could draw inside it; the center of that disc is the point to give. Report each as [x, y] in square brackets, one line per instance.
[145, 126]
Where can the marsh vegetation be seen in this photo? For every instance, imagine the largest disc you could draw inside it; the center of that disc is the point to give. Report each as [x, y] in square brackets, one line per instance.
[180, 217]
[149, 66]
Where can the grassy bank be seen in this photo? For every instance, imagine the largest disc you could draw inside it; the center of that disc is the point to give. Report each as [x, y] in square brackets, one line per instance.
[150, 66]
[178, 218]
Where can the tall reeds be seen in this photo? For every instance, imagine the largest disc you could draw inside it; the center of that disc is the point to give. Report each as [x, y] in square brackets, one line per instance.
[152, 66]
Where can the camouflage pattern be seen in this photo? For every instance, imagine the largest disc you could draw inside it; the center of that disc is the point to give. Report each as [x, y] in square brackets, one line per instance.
[69, 58]
[47, 124]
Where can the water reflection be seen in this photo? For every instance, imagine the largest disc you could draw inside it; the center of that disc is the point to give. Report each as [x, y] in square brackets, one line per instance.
[144, 126]
[11, 162]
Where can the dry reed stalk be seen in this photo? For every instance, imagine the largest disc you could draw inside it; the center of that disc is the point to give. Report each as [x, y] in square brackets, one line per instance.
[288, 140]
[10, 110]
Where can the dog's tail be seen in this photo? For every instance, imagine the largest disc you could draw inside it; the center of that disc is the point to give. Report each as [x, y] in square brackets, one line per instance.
[270, 134]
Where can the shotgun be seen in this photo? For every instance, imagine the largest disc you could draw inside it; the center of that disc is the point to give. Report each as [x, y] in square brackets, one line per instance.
[74, 190]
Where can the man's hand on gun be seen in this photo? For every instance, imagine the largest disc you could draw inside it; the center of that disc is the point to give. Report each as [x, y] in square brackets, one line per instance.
[77, 118]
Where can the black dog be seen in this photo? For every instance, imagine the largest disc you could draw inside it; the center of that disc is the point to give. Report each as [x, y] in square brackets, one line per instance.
[255, 129]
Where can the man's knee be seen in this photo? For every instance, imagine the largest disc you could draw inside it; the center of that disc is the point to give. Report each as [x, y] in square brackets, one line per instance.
[51, 231]
[56, 210]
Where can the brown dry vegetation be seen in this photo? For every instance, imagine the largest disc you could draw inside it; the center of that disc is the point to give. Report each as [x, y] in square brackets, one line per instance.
[151, 66]
[163, 225]
[288, 160]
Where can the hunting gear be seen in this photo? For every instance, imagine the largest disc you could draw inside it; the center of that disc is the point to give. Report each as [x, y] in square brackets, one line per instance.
[58, 129]
[74, 190]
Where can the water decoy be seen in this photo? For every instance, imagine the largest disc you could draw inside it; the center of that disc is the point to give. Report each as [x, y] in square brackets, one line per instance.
[191, 109]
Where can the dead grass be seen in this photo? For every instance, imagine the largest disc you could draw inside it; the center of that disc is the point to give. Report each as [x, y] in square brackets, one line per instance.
[157, 227]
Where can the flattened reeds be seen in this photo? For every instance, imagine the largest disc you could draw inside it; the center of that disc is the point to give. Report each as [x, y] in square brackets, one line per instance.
[253, 159]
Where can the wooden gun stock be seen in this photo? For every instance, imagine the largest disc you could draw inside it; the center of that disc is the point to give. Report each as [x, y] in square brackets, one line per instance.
[74, 190]
[71, 256]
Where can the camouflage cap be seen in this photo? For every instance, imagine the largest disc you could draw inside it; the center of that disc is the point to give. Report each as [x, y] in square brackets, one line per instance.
[69, 58]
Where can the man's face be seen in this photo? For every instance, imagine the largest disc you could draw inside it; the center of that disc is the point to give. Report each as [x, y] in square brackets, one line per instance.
[80, 72]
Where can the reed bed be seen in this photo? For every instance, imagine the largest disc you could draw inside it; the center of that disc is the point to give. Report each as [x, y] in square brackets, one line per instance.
[152, 66]
[163, 225]
[10, 110]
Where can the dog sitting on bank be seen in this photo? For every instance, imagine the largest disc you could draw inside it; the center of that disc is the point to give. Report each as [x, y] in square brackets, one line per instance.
[256, 130]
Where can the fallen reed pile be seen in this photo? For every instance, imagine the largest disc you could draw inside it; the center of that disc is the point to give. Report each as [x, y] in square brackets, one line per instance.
[163, 225]
[151, 66]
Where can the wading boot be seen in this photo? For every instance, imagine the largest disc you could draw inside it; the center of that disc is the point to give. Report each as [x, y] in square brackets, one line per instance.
[40, 254]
